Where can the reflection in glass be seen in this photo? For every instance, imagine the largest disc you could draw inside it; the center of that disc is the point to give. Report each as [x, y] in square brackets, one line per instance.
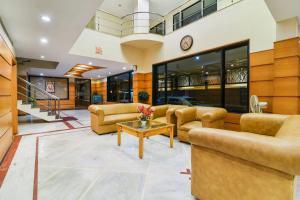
[236, 78]
[82, 93]
[119, 88]
[218, 78]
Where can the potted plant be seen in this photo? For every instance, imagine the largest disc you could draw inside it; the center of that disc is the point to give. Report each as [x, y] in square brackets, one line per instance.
[143, 96]
[32, 101]
[145, 114]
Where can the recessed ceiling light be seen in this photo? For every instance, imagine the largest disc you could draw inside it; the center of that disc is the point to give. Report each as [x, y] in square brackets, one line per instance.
[109, 72]
[44, 40]
[90, 63]
[41, 74]
[124, 68]
[197, 57]
[46, 18]
[42, 57]
[99, 76]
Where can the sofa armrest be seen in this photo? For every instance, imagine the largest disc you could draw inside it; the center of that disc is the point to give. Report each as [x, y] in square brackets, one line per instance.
[262, 123]
[214, 115]
[264, 150]
[171, 117]
[160, 111]
[185, 115]
[97, 110]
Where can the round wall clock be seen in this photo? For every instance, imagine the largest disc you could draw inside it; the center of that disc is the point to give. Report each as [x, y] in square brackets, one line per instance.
[186, 43]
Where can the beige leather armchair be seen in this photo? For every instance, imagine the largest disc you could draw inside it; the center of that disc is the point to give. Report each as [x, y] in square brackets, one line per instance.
[197, 117]
[261, 162]
[105, 117]
[166, 114]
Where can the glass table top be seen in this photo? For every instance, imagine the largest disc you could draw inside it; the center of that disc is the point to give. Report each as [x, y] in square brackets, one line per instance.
[137, 125]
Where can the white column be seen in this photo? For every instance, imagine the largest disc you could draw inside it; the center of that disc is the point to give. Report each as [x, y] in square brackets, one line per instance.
[141, 20]
[287, 29]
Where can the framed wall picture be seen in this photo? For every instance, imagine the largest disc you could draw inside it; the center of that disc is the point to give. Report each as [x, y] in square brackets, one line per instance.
[50, 87]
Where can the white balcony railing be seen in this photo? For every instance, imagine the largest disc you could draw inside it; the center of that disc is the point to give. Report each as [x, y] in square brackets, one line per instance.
[148, 22]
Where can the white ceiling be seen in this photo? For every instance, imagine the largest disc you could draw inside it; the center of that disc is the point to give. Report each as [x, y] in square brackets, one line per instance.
[162, 7]
[284, 9]
[69, 17]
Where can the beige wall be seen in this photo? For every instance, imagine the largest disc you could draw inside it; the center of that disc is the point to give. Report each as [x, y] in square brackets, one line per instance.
[247, 19]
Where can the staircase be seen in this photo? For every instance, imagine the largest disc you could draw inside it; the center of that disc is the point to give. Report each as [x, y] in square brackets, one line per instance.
[47, 107]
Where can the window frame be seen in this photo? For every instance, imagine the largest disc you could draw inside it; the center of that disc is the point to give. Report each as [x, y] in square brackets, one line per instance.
[222, 82]
[130, 84]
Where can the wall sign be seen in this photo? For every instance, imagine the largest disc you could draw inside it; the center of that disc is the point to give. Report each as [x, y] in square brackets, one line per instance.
[50, 87]
[99, 50]
[186, 43]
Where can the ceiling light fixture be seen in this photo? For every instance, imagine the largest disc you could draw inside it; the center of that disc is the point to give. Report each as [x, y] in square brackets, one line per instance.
[90, 63]
[46, 18]
[99, 76]
[41, 74]
[124, 68]
[44, 40]
[109, 72]
[197, 57]
[42, 57]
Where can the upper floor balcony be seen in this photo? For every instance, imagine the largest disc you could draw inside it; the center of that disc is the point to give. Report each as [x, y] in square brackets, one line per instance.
[151, 27]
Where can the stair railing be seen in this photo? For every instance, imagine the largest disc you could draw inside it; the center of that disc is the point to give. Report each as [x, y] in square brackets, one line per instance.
[37, 97]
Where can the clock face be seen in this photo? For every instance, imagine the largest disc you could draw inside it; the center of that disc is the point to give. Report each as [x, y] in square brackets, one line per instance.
[186, 42]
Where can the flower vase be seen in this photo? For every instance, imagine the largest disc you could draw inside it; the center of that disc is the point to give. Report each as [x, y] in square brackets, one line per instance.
[143, 123]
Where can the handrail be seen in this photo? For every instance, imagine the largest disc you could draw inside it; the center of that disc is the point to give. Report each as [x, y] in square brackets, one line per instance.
[43, 91]
[53, 107]
[134, 13]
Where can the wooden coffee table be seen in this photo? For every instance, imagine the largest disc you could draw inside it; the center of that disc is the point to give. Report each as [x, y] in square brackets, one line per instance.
[152, 128]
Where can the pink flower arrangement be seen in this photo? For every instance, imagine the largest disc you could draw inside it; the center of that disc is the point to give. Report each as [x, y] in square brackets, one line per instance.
[146, 113]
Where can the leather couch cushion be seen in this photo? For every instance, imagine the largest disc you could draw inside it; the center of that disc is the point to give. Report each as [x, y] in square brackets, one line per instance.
[290, 130]
[188, 126]
[112, 119]
[161, 119]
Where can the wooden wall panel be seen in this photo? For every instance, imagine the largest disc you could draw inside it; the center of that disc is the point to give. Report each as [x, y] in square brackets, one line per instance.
[8, 101]
[286, 48]
[5, 86]
[261, 73]
[5, 69]
[262, 88]
[286, 86]
[286, 105]
[142, 82]
[285, 67]
[262, 58]
[100, 87]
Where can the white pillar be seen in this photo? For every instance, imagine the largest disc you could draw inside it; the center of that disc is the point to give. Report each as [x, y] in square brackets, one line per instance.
[287, 29]
[141, 20]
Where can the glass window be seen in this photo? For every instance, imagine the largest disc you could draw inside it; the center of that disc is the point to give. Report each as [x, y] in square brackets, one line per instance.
[209, 6]
[119, 88]
[195, 80]
[191, 13]
[158, 29]
[160, 95]
[59, 87]
[176, 21]
[236, 79]
[218, 78]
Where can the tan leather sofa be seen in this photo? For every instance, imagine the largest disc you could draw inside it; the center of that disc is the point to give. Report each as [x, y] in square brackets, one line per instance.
[197, 117]
[105, 117]
[260, 162]
[166, 114]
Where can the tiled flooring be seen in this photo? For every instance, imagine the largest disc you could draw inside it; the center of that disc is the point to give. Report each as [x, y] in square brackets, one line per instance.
[72, 162]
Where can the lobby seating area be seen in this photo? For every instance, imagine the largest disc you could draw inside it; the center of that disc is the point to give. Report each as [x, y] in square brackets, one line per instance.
[150, 100]
[260, 162]
[105, 117]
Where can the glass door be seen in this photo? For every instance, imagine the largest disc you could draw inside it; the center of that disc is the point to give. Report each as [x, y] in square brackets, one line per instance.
[236, 79]
[82, 93]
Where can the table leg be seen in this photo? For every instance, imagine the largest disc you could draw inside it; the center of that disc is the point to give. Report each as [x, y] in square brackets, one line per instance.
[119, 135]
[141, 146]
[171, 136]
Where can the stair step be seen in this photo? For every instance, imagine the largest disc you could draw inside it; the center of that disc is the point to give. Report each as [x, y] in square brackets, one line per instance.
[36, 112]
